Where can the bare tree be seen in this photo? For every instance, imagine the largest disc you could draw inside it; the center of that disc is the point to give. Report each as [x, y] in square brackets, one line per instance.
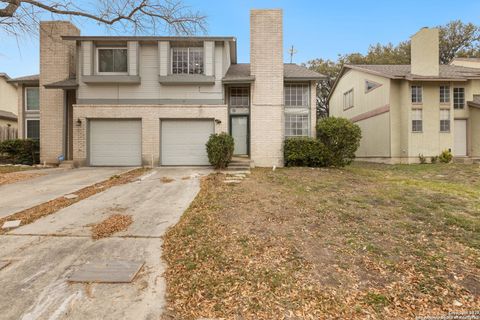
[19, 17]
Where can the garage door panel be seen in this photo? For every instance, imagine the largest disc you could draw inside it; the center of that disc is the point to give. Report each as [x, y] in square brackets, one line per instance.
[183, 141]
[115, 142]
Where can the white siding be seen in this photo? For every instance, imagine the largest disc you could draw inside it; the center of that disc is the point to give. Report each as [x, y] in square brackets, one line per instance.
[132, 47]
[208, 47]
[164, 57]
[87, 57]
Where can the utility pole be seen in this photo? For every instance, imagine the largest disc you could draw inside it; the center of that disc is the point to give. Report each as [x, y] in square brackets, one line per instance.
[292, 51]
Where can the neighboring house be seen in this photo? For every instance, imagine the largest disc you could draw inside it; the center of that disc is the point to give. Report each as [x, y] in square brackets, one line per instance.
[8, 102]
[133, 100]
[407, 110]
[27, 106]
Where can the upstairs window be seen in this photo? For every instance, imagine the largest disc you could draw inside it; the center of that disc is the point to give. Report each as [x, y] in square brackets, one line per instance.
[417, 122]
[32, 99]
[187, 60]
[112, 60]
[239, 97]
[444, 120]
[348, 99]
[458, 98]
[296, 95]
[444, 94]
[417, 94]
[370, 85]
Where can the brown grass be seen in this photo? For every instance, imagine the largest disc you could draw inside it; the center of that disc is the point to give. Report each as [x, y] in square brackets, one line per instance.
[365, 242]
[114, 223]
[11, 174]
[30, 215]
[166, 179]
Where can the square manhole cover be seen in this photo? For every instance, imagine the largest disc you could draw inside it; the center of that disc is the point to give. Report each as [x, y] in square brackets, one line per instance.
[115, 271]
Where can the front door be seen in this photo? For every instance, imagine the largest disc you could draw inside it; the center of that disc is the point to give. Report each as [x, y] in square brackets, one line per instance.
[460, 138]
[240, 134]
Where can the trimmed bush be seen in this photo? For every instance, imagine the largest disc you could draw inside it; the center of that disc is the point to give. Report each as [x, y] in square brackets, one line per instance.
[20, 151]
[220, 150]
[304, 152]
[445, 157]
[341, 139]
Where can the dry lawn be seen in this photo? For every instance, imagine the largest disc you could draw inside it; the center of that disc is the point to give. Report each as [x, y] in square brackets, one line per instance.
[365, 242]
[11, 174]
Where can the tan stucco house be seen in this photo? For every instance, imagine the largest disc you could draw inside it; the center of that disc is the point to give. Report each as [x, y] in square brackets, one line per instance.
[135, 100]
[8, 102]
[407, 110]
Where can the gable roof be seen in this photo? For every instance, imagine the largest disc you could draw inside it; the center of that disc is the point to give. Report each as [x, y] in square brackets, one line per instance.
[241, 73]
[403, 71]
[399, 71]
[31, 79]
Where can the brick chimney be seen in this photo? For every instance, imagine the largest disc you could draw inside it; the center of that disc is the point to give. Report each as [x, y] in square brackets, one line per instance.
[425, 52]
[266, 63]
[56, 63]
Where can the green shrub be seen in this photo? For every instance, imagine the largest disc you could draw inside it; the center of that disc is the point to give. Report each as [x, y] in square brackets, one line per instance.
[434, 159]
[445, 157]
[422, 158]
[20, 151]
[341, 139]
[304, 152]
[220, 150]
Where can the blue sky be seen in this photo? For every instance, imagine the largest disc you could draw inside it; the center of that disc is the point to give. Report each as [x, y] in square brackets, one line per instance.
[317, 29]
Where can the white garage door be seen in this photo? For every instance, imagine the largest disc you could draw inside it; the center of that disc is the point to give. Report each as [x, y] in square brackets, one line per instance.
[183, 142]
[460, 138]
[115, 142]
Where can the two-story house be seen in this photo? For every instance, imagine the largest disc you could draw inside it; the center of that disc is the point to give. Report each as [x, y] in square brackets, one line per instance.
[137, 100]
[8, 102]
[408, 110]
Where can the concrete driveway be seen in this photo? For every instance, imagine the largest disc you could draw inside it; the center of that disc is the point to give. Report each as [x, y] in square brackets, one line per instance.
[46, 252]
[55, 183]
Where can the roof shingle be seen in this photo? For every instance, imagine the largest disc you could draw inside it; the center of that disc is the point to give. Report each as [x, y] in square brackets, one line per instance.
[241, 72]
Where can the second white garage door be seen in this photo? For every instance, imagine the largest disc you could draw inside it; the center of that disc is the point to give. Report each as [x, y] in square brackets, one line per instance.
[115, 142]
[183, 142]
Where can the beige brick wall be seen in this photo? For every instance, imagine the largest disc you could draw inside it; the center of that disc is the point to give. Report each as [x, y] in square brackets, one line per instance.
[56, 57]
[150, 115]
[267, 111]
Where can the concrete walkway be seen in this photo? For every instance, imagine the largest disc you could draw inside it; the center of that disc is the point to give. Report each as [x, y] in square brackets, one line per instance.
[55, 183]
[46, 252]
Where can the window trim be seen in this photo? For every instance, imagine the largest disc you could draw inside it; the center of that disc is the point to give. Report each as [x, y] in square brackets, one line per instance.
[449, 94]
[377, 85]
[303, 84]
[411, 122]
[230, 96]
[464, 98]
[308, 129]
[98, 65]
[188, 60]
[449, 120]
[353, 99]
[26, 99]
[421, 94]
[26, 128]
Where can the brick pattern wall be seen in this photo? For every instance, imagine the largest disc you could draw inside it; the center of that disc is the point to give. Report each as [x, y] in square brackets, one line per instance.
[267, 111]
[150, 115]
[55, 64]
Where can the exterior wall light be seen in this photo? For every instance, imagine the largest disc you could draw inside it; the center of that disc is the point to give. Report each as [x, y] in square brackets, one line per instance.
[217, 121]
[79, 122]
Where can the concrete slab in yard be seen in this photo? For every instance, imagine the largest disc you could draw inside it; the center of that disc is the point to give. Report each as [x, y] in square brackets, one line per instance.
[11, 224]
[116, 271]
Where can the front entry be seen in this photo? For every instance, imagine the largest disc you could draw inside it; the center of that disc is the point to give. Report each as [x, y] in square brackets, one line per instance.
[239, 130]
[460, 138]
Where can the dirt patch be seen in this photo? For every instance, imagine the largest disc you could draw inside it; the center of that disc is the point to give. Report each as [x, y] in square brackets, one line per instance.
[166, 179]
[114, 223]
[12, 177]
[30, 215]
[363, 242]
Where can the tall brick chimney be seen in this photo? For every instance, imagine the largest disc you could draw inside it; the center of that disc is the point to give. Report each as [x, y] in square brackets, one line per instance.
[425, 52]
[266, 63]
[56, 63]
